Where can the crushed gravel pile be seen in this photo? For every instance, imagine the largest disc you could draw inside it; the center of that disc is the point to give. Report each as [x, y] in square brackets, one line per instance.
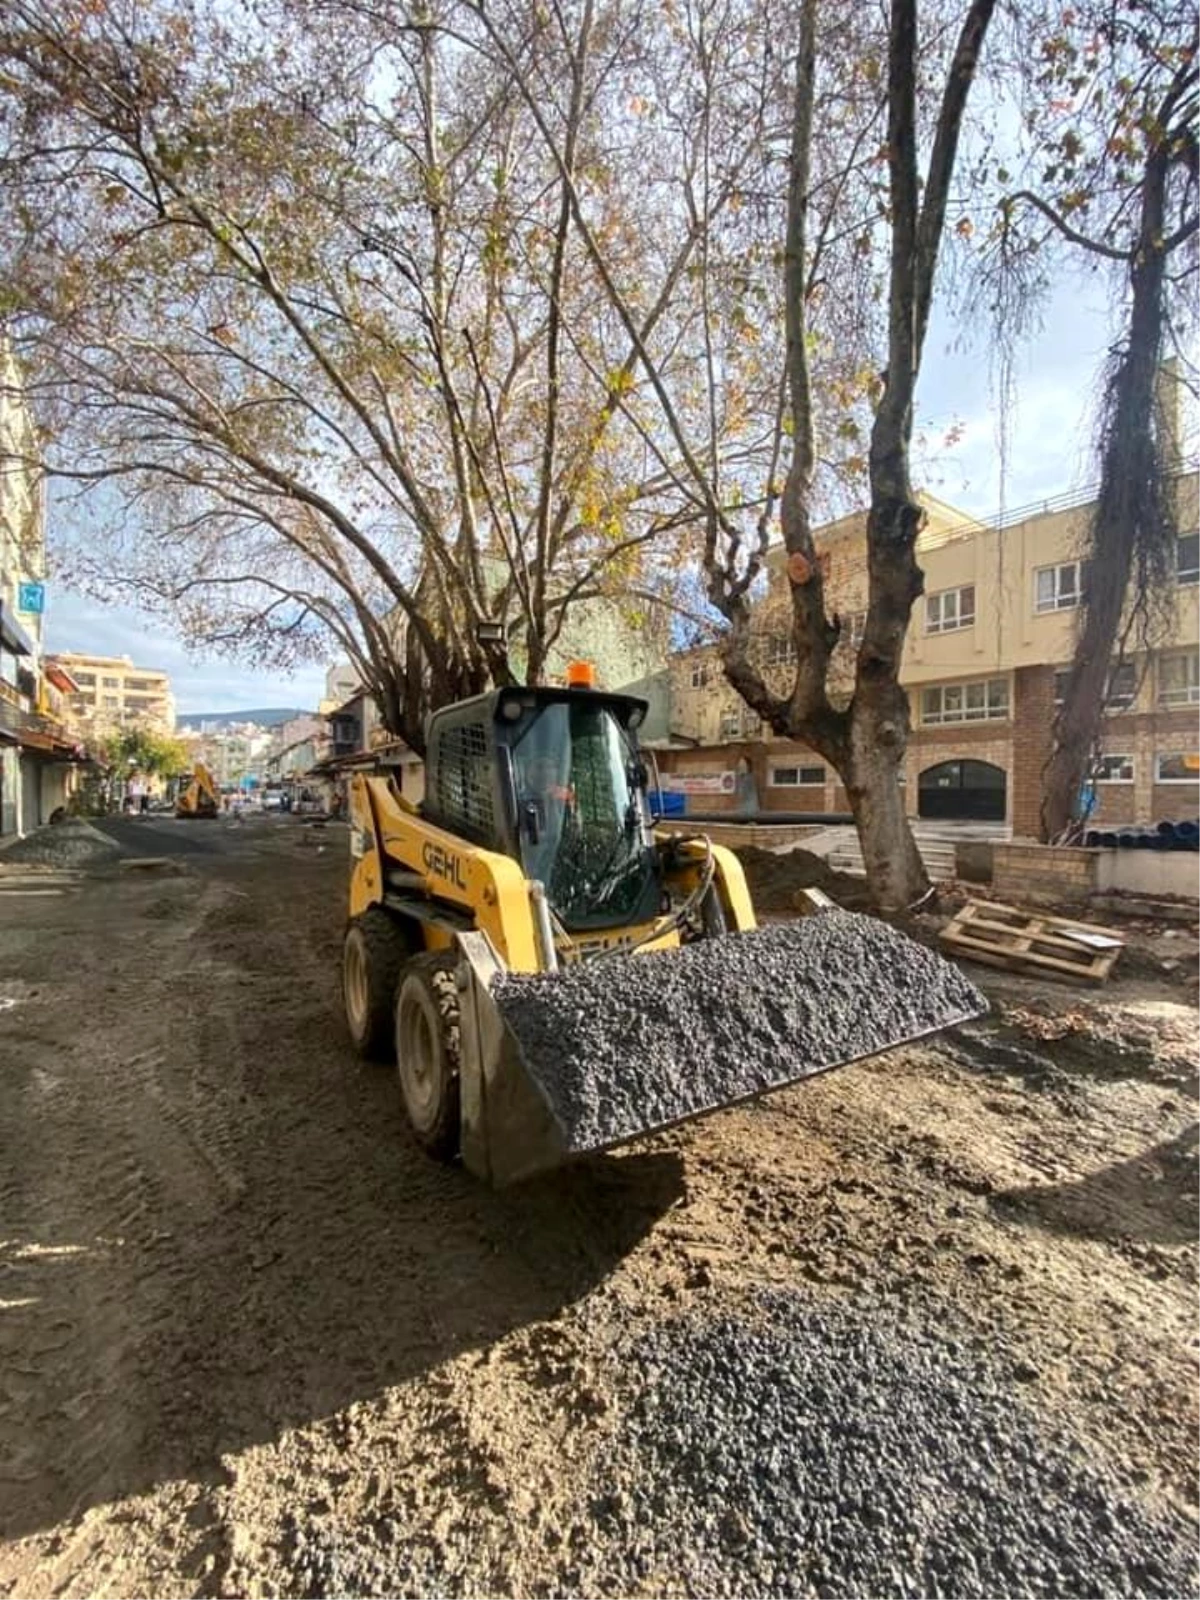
[627, 1043]
[775, 879]
[819, 1449]
[73, 843]
[791, 1448]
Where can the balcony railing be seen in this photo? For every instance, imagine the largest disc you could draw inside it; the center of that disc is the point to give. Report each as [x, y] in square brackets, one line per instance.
[15, 719]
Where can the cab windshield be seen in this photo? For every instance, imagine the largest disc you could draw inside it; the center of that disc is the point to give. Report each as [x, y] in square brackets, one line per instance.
[581, 818]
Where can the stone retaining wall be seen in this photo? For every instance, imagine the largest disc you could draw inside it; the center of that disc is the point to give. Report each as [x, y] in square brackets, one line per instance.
[1033, 872]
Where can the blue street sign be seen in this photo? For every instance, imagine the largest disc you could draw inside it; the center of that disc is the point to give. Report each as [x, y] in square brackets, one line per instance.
[31, 597]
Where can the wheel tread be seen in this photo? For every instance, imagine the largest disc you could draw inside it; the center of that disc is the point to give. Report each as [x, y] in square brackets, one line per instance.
[437, 969]
[386, 946]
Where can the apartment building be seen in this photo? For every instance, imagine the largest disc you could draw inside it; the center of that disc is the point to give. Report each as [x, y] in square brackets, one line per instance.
[985, 663]
[112, 694]
[38, 754]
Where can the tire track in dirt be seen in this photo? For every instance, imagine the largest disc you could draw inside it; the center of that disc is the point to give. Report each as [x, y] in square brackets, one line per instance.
[85, 1205]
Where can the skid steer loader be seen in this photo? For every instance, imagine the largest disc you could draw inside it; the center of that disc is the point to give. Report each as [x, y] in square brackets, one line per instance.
[554, 977]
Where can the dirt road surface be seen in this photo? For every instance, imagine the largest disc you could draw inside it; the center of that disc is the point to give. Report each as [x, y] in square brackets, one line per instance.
[925, 1325]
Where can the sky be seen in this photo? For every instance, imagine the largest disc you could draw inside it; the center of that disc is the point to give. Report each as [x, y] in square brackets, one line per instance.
[74, 622]
[1048, 438]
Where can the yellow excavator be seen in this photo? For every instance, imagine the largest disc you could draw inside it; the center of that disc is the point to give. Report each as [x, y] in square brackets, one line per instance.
[199, 798]
[554, 976]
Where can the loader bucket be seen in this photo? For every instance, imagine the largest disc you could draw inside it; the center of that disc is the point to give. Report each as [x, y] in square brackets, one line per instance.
[558, 1065]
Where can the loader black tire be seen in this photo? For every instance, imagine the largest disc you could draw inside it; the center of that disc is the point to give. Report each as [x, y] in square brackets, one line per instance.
[375, 948]
[428, 1051]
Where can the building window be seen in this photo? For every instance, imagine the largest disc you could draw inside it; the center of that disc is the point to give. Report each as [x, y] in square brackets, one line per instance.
[1060, 588]
[110, 683]
[795, 777]
[1179, 678]
[1176, 767]
[950, 609]
[731, 724]
[111, 702]
[699, 676]
[1122, 686]
[1114, 769]
[966, 702]
[85, 680]
[854, 627]
[781, 650]
[751, 724]
[1187, 558]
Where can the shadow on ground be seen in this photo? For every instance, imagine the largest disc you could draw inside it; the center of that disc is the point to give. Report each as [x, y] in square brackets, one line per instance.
[1149, 1198]
[302, 1310]
[214, 1225]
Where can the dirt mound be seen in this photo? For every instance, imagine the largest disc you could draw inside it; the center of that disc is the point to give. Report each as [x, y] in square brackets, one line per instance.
[73, 843]
[775, 880]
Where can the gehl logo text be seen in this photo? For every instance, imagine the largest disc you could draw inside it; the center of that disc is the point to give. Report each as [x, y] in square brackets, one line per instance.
[442, 864]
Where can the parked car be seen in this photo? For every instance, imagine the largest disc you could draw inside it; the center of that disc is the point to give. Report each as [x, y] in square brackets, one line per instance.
[272, 800]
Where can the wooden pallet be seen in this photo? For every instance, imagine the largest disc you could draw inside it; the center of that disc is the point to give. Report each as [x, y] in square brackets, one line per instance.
[1003, 936]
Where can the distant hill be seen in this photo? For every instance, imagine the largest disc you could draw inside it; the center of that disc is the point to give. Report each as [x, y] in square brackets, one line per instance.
[265, 717]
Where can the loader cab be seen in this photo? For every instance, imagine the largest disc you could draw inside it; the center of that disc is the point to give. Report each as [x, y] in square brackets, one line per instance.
[553, 778]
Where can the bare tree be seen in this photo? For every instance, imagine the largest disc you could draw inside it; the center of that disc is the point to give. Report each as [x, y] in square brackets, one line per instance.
[1116, 169]
[823, 209]
[299, 291]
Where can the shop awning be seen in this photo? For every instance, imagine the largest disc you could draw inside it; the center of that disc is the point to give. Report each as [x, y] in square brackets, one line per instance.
[61, 678]
[13, 635]
[50, 744]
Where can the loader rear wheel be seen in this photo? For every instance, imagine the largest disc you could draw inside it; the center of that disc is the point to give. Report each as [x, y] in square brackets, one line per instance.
[428, 1051]
[372, 955]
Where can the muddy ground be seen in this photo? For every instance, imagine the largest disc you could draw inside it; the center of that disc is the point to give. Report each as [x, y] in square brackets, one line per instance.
[252, 1342]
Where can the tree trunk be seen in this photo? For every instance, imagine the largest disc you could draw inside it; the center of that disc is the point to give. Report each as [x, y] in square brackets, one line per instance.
[894, 868]
[1130, 510]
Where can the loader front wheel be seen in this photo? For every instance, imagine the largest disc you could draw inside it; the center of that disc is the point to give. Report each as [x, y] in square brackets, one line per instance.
[374, 949]
[428, 1052]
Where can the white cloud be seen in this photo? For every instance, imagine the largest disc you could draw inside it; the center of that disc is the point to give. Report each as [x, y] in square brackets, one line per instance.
[74, 622]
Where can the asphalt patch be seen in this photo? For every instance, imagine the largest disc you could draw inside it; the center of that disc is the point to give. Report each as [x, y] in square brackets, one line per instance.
[626, 1043]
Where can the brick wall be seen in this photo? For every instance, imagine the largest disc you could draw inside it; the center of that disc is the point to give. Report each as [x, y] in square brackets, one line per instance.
[1116, 804]
[1175, 802]
[707, 761]
[1033, 721]
[804, 797]
[1024, 873]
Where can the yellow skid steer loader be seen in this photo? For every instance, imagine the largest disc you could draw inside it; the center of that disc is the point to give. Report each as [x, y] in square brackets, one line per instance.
[554, 978]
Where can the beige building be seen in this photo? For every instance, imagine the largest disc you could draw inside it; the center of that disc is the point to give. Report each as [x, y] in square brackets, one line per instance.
[39, 757]
[112, 694]
[985, 662]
